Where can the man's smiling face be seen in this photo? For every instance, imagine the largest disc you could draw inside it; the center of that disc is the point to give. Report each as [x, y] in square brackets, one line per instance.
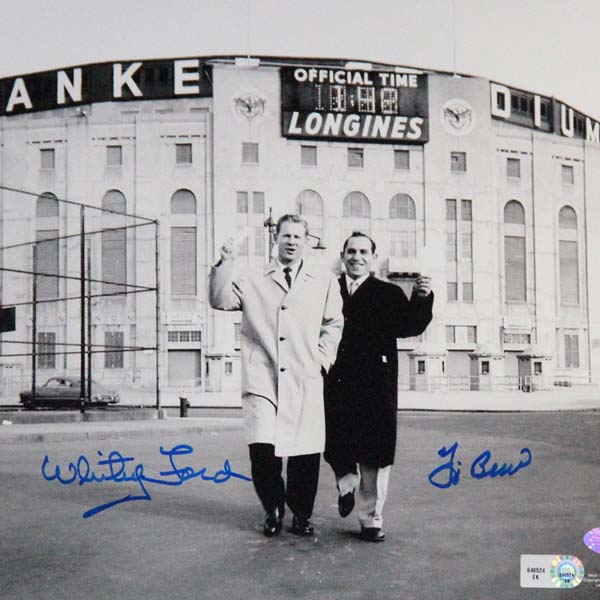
[358, 256]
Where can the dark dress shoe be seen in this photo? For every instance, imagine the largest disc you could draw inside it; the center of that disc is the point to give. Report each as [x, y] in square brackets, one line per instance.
[372, 534]
[346, 504]
[301, 526]
[273, 522]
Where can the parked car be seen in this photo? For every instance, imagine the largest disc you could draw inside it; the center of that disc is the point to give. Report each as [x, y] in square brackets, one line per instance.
[66, 391]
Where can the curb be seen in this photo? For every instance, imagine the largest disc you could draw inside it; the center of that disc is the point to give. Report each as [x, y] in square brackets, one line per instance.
[81, 431]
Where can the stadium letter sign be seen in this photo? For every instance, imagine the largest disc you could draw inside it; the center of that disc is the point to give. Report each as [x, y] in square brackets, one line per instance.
[147, 80]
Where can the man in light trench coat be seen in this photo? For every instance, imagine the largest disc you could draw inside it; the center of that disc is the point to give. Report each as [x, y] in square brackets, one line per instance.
[291, 327]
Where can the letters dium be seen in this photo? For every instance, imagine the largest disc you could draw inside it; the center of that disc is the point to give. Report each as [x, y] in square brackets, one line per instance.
[501, 107]
[70, 89]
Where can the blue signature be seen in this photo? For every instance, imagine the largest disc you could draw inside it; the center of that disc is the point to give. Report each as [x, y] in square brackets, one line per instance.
[449, 474]
[115, 470]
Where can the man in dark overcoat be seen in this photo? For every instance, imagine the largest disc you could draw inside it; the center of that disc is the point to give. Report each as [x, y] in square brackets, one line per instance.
[361, 389]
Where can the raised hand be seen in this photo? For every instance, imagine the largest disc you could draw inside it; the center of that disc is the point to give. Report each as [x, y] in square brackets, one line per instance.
[423, 286]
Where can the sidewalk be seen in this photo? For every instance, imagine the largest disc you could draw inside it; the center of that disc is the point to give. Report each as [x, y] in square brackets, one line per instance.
[86, 430]
[49, 426]
[573, 398]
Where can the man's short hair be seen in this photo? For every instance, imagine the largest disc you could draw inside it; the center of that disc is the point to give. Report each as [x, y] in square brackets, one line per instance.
[356, 234]
[290, 219]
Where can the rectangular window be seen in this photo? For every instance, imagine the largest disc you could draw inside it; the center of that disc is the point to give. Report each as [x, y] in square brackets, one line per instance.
[458, 162]
[514, 260]
[467, 289]
[450, 210]
[114, 156]
[450, 247]
[183, 261]
[113, 357]
[47, 262]
[466, 210]
[401, 160]
[568, 176]
[47, 158]
[46, 350]
[114, 261]
[466, 250]
[451, 291]
[571, 351]
[472, 334]
[513, 168]
[228, 368]
[355, 157]
[237, 334]
[250, 153]
[569, 269]
[485, 367]
[516, 338]
[194, 335]
[183, 154]
[242, 202]
[308, 155]
[450, 334]
[421, 367]
[259, 240]
[259, 203]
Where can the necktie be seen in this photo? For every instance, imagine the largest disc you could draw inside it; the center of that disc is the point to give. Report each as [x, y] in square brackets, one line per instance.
[288, 277]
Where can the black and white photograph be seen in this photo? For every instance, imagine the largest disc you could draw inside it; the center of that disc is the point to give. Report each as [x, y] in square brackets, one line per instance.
[299, 300]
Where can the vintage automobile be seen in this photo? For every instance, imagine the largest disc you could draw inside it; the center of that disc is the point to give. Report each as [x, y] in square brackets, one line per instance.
[63, 391]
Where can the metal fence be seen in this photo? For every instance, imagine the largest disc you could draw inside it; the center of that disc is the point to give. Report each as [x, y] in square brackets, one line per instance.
[533, 383]
[62, 271]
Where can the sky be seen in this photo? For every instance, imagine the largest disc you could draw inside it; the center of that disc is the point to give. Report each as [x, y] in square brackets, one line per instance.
[551, 47]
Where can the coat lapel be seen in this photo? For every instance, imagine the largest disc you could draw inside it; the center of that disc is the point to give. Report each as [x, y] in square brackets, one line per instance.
[276, 274]
[346, 297]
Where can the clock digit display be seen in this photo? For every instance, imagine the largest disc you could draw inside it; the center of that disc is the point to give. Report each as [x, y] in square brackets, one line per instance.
[337, 100]
[366, 99]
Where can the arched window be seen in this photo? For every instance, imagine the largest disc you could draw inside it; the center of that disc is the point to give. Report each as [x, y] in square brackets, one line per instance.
[183, 244]
[402, 226]
[356, 214]
[309, 204]
[114, 243]
[515, 252]
[46, 206]
[114, 200]
[567, 218]
[47, 248]
[183, 202]
[514, 213]
[568, 256]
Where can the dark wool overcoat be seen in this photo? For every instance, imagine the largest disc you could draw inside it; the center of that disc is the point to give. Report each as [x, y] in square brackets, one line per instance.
[361, 389]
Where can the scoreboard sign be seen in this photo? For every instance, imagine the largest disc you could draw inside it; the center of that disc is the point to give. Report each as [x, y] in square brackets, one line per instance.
[353, 105]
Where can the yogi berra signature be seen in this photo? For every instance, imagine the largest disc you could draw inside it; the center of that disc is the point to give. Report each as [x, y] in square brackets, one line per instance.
[448, 474]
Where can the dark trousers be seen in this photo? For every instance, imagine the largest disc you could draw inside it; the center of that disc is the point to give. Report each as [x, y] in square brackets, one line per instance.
[302, 479]
[342, 467]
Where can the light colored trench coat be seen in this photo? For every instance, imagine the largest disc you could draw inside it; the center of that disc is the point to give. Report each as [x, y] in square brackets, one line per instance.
[286, 337]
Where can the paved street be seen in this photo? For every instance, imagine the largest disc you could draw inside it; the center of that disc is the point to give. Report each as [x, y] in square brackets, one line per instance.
[203, 540]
